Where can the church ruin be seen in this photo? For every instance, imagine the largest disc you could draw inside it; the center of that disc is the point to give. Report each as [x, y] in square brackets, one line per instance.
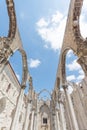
[63, 111]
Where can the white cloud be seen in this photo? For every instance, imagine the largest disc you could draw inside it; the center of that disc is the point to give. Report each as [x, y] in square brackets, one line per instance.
[71, 77]
[76, 78]
[69, 54]
[57, 17]
[83, 19]
[70, 89]
[81, 72]
[73, 66]
[84, 8]
[52, 32]
[18, 76]
[83, 26]
[42, 23]
[80, 77]
[34, 63]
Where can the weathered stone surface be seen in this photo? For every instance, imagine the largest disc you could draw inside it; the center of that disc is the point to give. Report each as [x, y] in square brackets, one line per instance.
[63, 111]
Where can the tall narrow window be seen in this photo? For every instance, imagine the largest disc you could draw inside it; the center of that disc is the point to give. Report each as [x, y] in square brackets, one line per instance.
[44, 120]
[9, 86]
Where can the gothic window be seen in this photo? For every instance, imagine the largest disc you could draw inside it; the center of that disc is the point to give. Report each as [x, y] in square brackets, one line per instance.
[9, 86]
[44, 120]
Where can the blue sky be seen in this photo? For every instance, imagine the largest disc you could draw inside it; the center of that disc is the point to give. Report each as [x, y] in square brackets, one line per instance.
[41, 25]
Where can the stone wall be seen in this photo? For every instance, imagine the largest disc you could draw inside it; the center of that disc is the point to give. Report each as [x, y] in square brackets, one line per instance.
[10, 90]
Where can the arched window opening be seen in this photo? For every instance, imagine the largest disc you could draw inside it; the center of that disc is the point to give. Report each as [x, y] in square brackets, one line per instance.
[16, 63]
[74, 72]
[44, 95]
[45, 114]
[44, 120]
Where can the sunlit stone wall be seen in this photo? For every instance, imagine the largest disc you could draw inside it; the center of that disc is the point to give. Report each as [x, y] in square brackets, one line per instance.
[9, 96]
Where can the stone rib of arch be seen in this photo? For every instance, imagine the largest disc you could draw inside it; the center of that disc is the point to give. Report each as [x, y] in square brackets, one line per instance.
[44, 90]
[72, 39]
[10, 44]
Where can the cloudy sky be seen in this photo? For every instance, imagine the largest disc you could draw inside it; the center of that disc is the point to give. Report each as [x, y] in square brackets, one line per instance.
[41, 24]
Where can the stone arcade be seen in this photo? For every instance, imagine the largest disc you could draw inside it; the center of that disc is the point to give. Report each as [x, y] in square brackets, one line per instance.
[63, 111]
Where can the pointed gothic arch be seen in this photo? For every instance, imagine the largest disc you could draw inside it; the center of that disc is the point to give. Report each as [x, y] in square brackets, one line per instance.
[44, 90]
[44, 108]
[24, 67]
[11, 43]
[63, 66]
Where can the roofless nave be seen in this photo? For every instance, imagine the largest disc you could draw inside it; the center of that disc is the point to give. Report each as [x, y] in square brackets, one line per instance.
[27, 112]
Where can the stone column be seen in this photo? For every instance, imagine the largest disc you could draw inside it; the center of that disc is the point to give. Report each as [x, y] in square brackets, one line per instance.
[35, 121]
[14, 125]
[61, 106]
[73, 116]
[57, 120]
[68, 117]
[37, 115]
[28, 111]
[32, 120]
[62, 116]
[57, 116]
[79, 106]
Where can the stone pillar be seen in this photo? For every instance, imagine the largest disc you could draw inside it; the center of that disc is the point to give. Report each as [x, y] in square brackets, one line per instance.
[37, 115]
[57, 116]
[28, 111]
[62, 112]
[32, 121]
[79, 106]
[14, 125]
[73, 116]
[55, 122]
[69, 124]
[62, 116]
[35, 121]
[58, 122]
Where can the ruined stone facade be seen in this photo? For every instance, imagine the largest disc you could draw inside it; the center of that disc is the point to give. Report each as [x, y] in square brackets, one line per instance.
[63, 111]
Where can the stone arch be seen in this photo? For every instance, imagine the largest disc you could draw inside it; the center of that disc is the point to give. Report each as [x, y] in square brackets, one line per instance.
[5, 42]
[44, 90]
[75, 18]
[12, 18]
[8, 45]
[45, 109]
[78, 38]
[45, 116]
[24, 68]
[63, 63]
